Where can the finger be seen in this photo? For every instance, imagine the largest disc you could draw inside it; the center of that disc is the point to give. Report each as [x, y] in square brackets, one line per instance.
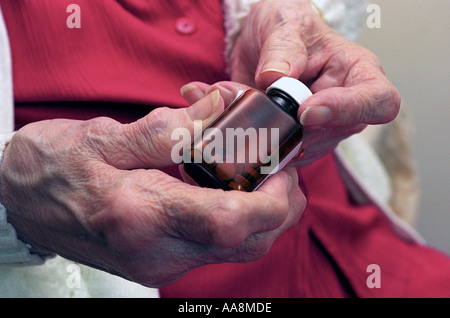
[258, 243]
[283, 54]
[297, 201]
[226, 218]
[282, 187]
[194, 91]
[313, 136]
[370, 102]
[229, 90]
[152, 141]
[317, 142]
[317, 151]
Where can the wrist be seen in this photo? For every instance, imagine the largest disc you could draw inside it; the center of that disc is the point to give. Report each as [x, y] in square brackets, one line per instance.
[13, 252]
[5, 139]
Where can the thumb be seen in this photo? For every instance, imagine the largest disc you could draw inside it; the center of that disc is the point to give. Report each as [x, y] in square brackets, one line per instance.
[283, 54]
[150, 141]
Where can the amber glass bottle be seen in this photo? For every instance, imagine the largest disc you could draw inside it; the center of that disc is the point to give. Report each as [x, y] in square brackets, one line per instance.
[256, 136]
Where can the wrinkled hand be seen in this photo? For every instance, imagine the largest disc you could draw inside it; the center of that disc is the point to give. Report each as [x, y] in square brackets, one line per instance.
[288, 38]
[91, 191]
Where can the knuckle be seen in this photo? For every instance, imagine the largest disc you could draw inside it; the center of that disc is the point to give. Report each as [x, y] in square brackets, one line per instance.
[382, 103]
[255, 247]
[387, 103]
[153, 131]
[95, 131]
[98, 127]
[395, 102]
[227, 225]
[286, 38]
[283, 206]
[278, 207]
[116, 219]
[224, 229]
[111, 204]
[156, 121]
[147, 140]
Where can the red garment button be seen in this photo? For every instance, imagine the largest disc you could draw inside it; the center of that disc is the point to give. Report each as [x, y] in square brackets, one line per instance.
[185, 26]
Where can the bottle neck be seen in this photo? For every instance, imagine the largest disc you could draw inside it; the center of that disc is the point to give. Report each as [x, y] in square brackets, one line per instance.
[284, 101]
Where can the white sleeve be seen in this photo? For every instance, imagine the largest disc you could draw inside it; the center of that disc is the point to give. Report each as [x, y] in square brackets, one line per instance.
[344, 16]
[6, 88]
[13, 252]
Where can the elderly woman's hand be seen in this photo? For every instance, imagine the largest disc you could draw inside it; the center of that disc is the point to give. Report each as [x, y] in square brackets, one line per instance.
[288, 38]
[91, 191]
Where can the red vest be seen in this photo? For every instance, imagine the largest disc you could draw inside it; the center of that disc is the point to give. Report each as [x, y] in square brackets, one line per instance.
[132, 55]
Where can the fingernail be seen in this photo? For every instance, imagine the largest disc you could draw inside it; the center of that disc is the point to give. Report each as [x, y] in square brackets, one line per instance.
[226, 93]
[316, 116]
[215, 104]
[215, 95]
[191, 93]
[282, 67]
[204, 110]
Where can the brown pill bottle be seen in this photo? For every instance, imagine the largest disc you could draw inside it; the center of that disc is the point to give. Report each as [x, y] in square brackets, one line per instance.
[256, 136]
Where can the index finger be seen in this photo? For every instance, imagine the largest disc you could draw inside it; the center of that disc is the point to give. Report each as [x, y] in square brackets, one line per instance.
[227, 218]
[373, 101]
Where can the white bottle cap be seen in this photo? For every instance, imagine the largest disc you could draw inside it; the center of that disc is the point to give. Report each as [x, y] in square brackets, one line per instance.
[294, 88]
